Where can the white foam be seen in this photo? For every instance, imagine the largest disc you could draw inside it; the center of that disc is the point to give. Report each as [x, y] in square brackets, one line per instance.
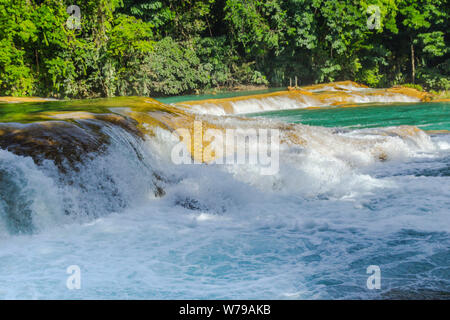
[262, 104]
[270, 103]
[383, 98]
[225, 232]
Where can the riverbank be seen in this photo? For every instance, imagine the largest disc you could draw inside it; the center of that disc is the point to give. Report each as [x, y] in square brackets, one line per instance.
[235, 92]
[442, 96]
[9, 99]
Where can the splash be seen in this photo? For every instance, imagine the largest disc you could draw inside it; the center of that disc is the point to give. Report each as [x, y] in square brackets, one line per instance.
[80, 148]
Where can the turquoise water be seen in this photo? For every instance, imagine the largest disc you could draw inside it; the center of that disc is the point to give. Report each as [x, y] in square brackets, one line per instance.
[223, 95]
[427, 116]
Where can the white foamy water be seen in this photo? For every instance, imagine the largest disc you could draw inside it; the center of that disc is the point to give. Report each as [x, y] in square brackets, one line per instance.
[254, 105]
[349, 94]
[273, 103]
[383, 98]
[308, 232]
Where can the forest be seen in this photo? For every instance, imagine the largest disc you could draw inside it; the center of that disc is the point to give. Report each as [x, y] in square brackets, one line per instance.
[105, 48]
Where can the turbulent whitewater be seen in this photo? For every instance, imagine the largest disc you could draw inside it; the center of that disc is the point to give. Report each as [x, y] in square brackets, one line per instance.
[92, 184]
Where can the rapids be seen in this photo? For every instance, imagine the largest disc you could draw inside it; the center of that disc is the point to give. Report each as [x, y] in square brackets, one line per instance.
[92, 183]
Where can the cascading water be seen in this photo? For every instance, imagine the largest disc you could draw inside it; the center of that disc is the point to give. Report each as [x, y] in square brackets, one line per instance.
[93, 185]
[337, 94]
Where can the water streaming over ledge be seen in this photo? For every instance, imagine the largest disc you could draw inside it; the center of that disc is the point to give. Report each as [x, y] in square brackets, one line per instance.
[91, 183]
[324, 95]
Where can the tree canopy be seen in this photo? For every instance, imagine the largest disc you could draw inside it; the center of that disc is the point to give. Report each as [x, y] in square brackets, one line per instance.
[167, 47]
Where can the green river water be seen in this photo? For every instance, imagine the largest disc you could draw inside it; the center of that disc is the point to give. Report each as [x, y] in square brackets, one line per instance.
[427, 116]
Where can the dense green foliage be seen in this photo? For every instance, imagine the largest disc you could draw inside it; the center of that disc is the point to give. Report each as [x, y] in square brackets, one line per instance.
[166, 47]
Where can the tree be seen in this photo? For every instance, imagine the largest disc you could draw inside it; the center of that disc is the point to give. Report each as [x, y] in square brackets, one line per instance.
[417, 18]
